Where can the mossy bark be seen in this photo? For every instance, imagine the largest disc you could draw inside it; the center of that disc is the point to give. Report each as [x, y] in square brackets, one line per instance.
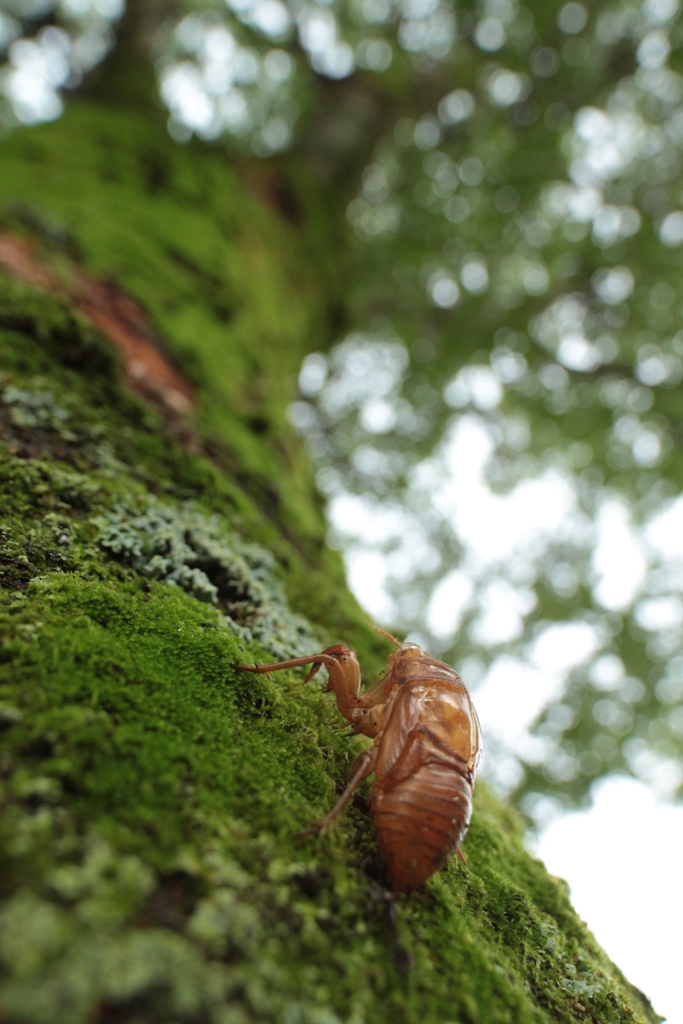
[149, 794]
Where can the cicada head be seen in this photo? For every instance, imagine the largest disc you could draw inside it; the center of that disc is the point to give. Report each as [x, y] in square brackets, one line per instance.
[410, 662]
[407, 652]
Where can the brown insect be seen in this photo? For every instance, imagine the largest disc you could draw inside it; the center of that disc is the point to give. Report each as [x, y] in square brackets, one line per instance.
[425, 756]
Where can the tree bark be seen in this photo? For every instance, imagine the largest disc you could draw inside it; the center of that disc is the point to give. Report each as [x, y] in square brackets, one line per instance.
[161, 526]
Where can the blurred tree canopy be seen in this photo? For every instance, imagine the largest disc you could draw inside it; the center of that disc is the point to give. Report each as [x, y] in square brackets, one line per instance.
[498, 430]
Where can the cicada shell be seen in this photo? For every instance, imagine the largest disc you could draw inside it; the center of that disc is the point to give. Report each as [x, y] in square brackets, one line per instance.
[425, 756]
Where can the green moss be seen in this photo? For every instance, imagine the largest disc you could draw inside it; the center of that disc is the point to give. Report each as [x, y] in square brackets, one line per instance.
[108, 444]
[149, 802]
[184, 234]
[184, 548]
[149, 855]
[150, 795]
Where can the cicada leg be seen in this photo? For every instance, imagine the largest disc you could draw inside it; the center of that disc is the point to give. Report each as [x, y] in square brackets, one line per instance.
[316, 659]
[363, 766]
[342, 666]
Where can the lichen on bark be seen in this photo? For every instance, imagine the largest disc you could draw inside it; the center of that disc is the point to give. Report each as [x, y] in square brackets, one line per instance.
[149, 793]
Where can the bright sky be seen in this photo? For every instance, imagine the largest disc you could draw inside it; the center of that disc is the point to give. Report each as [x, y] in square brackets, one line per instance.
[622, 860]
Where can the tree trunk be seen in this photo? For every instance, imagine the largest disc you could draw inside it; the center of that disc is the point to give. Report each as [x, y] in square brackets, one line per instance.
[160, 526]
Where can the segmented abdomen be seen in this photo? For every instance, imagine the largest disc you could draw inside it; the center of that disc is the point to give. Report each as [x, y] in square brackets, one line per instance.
[421, 820]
